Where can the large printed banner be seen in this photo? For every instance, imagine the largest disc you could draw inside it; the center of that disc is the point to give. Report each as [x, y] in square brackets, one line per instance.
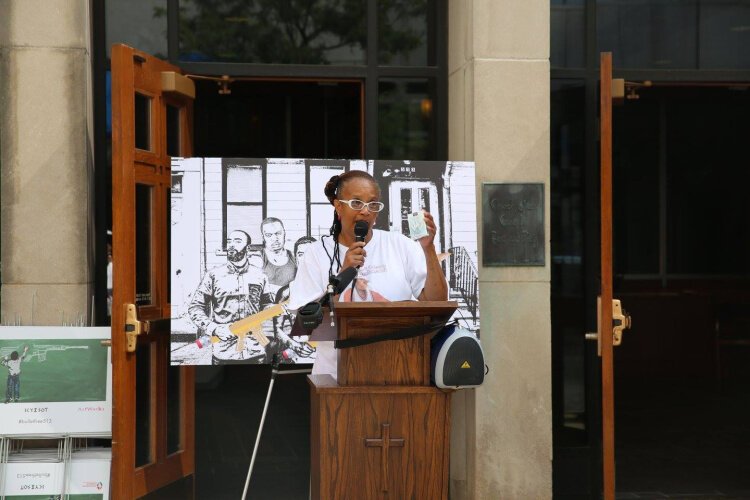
[56, 380]
[279, 206]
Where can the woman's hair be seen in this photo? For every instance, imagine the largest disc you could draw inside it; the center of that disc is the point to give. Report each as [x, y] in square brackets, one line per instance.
[337, 183]
[332, 189]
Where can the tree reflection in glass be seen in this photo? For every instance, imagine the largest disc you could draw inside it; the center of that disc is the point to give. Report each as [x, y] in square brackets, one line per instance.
[291, 31]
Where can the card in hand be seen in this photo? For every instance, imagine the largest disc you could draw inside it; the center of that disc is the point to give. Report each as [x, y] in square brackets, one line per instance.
[417, 227]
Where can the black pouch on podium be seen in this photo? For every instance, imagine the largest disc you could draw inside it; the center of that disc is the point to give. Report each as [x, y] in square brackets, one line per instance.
[457, 359]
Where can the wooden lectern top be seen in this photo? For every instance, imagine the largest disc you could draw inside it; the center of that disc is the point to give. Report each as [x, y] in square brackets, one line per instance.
[391, 362]
[436, 309]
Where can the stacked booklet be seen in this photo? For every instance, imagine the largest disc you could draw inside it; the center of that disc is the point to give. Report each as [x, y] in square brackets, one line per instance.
[37, 473]
[43, 474]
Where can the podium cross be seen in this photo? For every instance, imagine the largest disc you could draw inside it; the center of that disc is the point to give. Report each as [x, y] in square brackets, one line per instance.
[385, 442]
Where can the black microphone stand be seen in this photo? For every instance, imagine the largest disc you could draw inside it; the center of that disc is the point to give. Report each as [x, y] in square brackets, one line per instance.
[275, 364]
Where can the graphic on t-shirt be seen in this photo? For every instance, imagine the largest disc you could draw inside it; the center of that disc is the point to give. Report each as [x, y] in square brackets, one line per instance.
[362, 293]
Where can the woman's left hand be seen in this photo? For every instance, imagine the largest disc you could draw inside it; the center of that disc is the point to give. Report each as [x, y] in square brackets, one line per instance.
[429, 222]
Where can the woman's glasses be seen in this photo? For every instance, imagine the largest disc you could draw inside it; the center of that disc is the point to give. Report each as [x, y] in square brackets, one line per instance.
[373, 206]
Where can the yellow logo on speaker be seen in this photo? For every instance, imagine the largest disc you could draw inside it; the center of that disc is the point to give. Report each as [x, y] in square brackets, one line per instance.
[466, 365]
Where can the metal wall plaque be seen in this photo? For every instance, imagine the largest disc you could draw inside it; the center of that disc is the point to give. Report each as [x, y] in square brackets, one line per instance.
[513, 224]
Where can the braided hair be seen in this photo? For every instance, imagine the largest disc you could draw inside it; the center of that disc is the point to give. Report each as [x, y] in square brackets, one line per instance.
[332, 189]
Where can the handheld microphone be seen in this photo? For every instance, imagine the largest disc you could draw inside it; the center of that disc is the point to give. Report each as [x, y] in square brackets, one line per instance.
[361, 228]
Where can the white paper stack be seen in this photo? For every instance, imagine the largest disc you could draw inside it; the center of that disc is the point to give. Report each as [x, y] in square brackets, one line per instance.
[46, 455]
[24, 478]
[89, 473]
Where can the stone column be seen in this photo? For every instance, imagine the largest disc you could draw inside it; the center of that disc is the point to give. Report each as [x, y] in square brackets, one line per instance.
[500, 117]
[45, 160]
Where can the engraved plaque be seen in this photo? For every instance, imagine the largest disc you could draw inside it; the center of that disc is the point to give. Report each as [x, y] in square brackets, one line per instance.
[513, 224]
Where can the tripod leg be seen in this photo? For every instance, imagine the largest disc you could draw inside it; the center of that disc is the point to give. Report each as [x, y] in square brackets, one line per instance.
[260, 431]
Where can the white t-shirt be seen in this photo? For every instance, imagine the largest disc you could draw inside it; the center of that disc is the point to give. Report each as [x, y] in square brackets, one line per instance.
[395, 269]
[14, 365]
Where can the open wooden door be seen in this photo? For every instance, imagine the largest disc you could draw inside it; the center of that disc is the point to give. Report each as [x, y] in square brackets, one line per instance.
[612, 319]
[605, 311]
[153, 415]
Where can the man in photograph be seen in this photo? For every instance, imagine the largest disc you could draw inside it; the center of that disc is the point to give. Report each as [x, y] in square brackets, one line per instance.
[13, 386]
[226, 294]
[280, 267]
[278, 262]
[300, 247]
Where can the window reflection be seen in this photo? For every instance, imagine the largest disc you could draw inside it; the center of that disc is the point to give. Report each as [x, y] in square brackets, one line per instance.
[143, 241]
[257, 31]
[567, 33]
[691, 34]
[568, 151]
[141, 25]
[405, 31]
[406, 119]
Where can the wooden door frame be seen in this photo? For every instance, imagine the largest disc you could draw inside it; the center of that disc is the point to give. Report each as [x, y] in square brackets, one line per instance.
[131, 166]
[605, 330]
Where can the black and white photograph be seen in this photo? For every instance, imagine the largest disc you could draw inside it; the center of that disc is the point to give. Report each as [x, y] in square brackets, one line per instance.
[240, 229]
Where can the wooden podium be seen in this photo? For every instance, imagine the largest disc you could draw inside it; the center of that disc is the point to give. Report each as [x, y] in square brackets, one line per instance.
[381, 431]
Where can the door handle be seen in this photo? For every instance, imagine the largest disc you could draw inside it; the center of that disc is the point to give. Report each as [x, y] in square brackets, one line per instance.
[135, 327]
[621, 321]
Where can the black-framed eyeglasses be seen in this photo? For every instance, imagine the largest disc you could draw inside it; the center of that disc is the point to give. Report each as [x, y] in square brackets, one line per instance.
[373, 206]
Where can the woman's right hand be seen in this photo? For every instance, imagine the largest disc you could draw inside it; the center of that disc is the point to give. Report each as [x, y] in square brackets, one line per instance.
[355, 256]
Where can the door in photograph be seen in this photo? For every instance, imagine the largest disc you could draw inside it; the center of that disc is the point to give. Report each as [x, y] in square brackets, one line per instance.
[153, 403]
[405, 197]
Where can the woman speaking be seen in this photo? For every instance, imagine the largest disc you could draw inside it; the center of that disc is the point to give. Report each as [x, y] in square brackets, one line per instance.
[391, 266]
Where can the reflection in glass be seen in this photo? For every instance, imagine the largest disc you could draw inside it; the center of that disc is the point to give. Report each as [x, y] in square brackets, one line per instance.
[174, 417]
[405, 32]
[568, 321]
[318, 120]
[724, 35]
[143, 244]
[258, 31]
[406, 119]
[140, 24]
[689, 34]
[635, 170]
[708, 228]
[168, 210]
[143, 445]
[142, 122]
[567, 33]
[173, 130]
